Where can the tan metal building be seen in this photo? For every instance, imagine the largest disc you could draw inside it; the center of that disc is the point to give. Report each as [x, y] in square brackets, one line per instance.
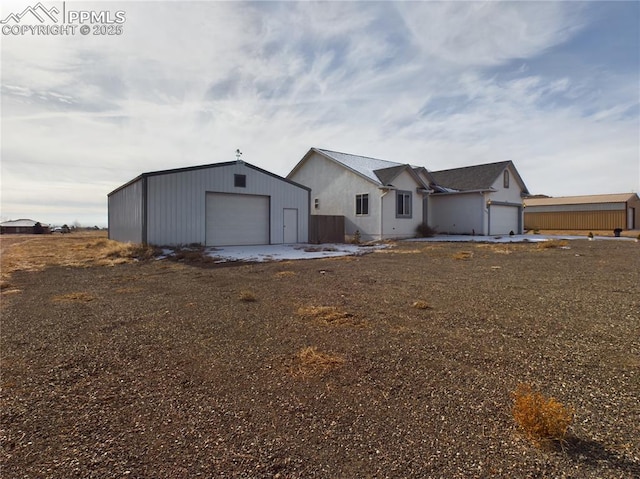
[593, 212]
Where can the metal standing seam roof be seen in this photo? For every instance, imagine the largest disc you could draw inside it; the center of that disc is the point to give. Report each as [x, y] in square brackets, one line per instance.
[580, 200]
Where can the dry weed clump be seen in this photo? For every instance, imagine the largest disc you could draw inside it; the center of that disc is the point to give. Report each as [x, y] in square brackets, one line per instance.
[421, 304]
[77, 297]
[247, 297]
[116, 252]
[328, 314]
[196, 255]
[552, 244]
[463, 255]
[497, 248]
[311, 362]
[543, 420]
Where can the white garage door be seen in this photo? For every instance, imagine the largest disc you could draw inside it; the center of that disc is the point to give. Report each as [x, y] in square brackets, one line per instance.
[503, 219]
[237, 219]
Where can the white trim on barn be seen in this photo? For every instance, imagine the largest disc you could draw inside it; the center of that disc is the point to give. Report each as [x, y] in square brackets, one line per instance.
[223, 203]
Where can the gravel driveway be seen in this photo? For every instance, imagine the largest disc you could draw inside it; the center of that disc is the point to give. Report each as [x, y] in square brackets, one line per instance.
[397, 364]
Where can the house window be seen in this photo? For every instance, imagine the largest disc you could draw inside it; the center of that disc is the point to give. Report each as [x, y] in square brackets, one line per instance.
[403, 204]
[316, 203]
[240, 181]
[362, 205]
[505, 178]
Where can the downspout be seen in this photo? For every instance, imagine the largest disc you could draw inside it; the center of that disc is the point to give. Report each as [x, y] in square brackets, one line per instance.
[144, 210]
[488, 217]
[384, 193]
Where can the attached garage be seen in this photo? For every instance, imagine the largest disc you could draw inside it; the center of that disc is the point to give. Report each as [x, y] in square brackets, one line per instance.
[503, 218]
[222, 204]
[593, 212]
[478, 200]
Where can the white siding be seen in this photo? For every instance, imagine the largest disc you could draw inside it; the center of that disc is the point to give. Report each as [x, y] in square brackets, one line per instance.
[126, 213]
[336, 188]
[393, 226]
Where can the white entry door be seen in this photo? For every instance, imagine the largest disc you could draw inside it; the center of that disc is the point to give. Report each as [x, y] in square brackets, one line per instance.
[233, 219]
[290, 225]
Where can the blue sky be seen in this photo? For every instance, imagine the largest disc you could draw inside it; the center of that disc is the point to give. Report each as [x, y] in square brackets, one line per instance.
[552, 86]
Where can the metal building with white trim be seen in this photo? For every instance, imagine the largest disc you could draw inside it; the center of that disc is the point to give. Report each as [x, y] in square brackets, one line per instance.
[221, 204]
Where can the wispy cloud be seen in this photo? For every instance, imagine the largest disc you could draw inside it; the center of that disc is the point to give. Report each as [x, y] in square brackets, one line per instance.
[441, 84]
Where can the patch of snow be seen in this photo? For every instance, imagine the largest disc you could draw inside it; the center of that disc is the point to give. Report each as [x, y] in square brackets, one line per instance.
[283, 252]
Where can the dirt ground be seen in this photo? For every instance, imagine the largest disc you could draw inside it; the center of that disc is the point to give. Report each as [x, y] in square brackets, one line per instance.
[398, 364]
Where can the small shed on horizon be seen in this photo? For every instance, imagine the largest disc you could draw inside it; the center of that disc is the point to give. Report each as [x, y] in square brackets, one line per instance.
[592, 212]
[220, 204]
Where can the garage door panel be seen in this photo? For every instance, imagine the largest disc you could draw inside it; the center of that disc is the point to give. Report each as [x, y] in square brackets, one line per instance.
[233, 219]
[504, 219]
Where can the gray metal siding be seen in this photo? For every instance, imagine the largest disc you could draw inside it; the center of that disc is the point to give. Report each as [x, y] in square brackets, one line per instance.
[176, 202]
[125, 213]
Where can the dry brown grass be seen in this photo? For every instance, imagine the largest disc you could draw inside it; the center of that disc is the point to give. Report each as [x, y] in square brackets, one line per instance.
[421, 304]
[543, 420]
[193, 255]
[80, 249]
[553, 244]
[496, 248]
[311, 362]
[285, 274]
[328, 314]
[76, 297]
[247, 296]
[627, 233]
[398, 251]
[463, 255]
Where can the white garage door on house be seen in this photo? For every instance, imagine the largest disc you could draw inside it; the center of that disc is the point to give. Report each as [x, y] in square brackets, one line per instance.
[233, 219]
[503, 219]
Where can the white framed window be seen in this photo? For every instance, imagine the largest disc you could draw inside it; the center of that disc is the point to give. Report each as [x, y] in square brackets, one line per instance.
[362, 204]
[505, 178]
[403, 204]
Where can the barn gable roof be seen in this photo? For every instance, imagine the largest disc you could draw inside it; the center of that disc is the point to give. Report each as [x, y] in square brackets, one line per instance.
[202, 167]
[581, 200]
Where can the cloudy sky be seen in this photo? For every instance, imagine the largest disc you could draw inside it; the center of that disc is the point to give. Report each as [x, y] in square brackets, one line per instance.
[553, 87]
